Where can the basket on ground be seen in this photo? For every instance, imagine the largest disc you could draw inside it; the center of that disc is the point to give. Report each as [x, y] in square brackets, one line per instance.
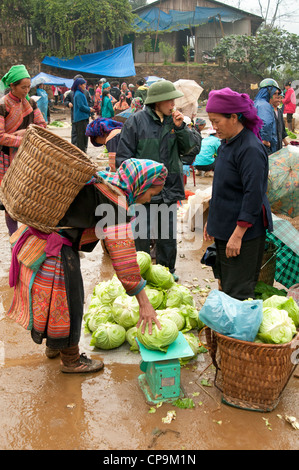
[44, 178]
[251, 375]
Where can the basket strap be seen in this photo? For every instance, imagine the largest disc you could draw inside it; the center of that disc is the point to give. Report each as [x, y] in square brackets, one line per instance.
[211, 338]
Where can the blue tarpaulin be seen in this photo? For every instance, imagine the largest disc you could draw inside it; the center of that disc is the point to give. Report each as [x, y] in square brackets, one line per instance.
[118, 62]
[46, 79]
[155, 19]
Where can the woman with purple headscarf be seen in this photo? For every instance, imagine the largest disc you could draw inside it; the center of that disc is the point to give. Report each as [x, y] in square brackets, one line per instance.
[239, 209]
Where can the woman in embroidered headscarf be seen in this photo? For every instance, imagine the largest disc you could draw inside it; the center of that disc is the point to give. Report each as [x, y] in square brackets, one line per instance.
[81, 113]
[45, 270]
[239, 212]
[17, 112]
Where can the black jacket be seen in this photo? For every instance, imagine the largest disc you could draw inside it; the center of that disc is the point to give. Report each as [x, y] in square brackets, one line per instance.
[144, 136]
[281, 130]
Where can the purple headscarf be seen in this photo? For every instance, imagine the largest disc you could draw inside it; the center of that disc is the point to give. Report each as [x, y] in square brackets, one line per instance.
[227, 101]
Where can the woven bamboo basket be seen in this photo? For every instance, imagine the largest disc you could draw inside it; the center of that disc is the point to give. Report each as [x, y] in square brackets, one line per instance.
[251, 376]
[44, 178]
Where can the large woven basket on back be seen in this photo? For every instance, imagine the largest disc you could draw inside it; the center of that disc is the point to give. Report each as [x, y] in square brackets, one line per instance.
[251, 375]
[44, 178]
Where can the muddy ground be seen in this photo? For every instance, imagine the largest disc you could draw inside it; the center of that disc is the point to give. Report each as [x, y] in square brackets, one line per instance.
[44, 409]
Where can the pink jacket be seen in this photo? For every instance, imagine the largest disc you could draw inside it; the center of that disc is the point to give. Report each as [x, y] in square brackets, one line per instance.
[289, 102]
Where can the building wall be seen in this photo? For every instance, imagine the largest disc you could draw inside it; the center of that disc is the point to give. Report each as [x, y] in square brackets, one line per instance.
[206, 37]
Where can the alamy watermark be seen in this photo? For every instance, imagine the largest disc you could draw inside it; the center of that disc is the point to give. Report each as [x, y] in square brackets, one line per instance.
[151, 222]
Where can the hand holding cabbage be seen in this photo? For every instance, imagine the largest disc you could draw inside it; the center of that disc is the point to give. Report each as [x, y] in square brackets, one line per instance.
[146, 312]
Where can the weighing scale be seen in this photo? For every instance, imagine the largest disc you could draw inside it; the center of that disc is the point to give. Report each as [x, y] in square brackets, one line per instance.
[161, 380]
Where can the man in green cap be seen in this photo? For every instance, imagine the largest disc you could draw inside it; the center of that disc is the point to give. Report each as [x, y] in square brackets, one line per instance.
[159, 133]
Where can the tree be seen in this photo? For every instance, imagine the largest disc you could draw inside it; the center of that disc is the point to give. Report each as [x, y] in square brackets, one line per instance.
[65, 28]
[269, 50]
[137, 3]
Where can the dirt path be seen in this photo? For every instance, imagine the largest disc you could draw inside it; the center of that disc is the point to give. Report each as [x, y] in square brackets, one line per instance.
[43, 409]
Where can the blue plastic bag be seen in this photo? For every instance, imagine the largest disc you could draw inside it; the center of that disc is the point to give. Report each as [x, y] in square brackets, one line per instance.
[231, 317]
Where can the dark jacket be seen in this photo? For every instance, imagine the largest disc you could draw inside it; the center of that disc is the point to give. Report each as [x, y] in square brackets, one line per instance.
[115, 92]
[144, 136]
[281, 129]
[239, 188]
[189, 158]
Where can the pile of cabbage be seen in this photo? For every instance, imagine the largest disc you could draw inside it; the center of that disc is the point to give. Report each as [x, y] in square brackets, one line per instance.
[280, 320]
[112, 315]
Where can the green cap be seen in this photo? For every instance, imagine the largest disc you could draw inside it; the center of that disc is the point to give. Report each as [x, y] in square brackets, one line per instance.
[269, 82]
[162, 90]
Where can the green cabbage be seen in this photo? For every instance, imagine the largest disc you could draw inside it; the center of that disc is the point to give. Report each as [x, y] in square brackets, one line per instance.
[179, 295]
[193, 342]
[159, 276]
[107, 291]
[131, 334]
[108, 336]
[155, 296]
[144, 260]
[159, 339]
[97, 316]
[284, 303]
[173, 314]
[125, 310]
[191, 317]
[276, 327]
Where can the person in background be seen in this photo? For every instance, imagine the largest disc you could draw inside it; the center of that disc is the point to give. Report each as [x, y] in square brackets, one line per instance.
[55, 94]
[289, 103]
[98, 96]
[125, 90]
[158, 133]
[121, 105]
[56, 279]
[189, 158]
[200, 125]
[205, 159]
[91, 91]
[17, 112]
[265, 111]
[132, 90]
[239, 212]
[107, 110]
[69, 103]
[142, 90]
[43, 102]
[82, 113]
[115, 91]
[282, 135]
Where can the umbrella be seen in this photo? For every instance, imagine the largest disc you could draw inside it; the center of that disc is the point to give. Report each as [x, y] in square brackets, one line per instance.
[152, 79]
[124, 115]
[283, 181]
[191, 91]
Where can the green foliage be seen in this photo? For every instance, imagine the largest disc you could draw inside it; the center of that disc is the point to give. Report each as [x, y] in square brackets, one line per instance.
[167, 51]
[66, 27]
[270, 50]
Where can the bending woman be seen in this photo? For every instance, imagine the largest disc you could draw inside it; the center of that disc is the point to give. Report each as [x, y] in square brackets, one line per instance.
[239, 211]
[45, 270]
[17, 112]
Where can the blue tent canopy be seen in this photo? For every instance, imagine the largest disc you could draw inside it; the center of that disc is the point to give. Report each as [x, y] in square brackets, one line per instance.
[155, 19]
[116, 62]
[46, 79]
